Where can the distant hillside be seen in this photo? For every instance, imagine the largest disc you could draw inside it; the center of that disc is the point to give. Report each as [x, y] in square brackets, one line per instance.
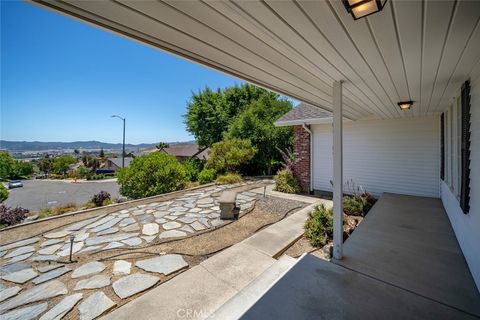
[18, 146]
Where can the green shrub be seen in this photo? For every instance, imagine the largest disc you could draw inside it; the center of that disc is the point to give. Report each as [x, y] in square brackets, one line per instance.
[229, 155]
[229, 178]
[100, 198]
[94, 176]
[3, 193]
[319, 226]
[150, 175]
[45, 212]
[358, 205]
[286, 182]
[206, 175]
[83, 172]
[192, 168]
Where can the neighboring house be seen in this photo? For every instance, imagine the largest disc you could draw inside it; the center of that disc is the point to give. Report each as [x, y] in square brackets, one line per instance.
[116, 163]
[185, 151]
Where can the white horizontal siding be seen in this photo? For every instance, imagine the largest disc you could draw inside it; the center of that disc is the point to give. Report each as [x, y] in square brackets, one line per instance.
[399, 156]
[467, 226]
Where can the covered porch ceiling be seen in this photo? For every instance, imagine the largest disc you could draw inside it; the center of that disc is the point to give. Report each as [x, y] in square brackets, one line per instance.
[412, 50]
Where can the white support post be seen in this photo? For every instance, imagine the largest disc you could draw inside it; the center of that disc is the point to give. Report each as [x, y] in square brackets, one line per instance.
[337, 171]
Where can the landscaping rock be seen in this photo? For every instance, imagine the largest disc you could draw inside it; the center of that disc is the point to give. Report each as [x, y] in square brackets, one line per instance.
[9, 292]
[88, 269]
[165, 264]
[121, 267]
[27, 313]
[19, 244]
[62, 308]
[19, 251]
[172, 234]
[20, 276]
[42, 292]
[150, 229]
[95, 282]
[94, 306]
[51, 275]
[132, 284]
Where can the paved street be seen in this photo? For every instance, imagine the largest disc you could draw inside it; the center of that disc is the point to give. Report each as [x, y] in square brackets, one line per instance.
[38, 194]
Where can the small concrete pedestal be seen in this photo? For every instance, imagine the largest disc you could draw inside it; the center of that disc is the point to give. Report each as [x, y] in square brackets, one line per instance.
[227, 205]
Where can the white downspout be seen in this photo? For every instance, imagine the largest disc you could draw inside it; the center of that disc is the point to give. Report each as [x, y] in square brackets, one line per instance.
[304, 126]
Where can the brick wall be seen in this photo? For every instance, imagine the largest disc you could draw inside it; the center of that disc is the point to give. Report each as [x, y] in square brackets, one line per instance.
[301, 149]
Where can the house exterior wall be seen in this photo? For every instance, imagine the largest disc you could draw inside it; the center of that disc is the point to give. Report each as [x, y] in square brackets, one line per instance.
[301, 150]
[467, 226]
[398, 156]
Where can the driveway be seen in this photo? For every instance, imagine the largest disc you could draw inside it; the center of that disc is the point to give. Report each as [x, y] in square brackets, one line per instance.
[38, 194]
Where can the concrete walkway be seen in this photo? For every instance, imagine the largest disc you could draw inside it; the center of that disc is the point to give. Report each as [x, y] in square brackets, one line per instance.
[199, 291]
[402, 262]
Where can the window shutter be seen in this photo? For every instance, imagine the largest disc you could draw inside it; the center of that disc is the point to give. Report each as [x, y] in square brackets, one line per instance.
[465, 187]
[442, 146]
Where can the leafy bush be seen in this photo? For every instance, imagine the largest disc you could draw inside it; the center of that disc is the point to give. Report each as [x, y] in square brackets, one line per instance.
[192, 168]
[61, 164]
[286, 182]
[150, 175]
[99, 198]
[93, 176]
[229, 178]
[358, 205]
[229, 155]
[3, 193]
[83, 172]
[206, 175]
[11, 216]
[319, 226]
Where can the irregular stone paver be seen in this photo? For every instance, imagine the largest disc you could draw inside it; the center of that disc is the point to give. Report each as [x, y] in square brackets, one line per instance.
[171, 217]
[3, 253]
[81, 236]
[9, 292]
[126, 222]
[95, 305]
[186, 228]
[51, 275]
[88, 269]
[148, 239]
[27, 313]
[106, 225]
[132, 227]
[99, 222]
[171, 234]
[50, 249]
[171, 225]
[62, 308]
[121, 267]
[187, 219]
[51, 242]
[107, 231]
[91, 248]
[133, 241]
[134, 283]
[45, 257]
[109, 238]
[48, 267]
[77, 246]
[113, 245]
[20, 276]
[160, 220]
[197, 226]
[165, 264]
[14, 267]
[19, 251]
[58, 234]
[95, 282]
[19, 258]
[150, 229]
[81, 224]
[44, 291]
[19, 244]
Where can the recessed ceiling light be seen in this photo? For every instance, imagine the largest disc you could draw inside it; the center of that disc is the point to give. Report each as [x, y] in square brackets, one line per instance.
[405, 105]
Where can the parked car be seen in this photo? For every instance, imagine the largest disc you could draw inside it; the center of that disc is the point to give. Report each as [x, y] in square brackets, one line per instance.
[15, 184]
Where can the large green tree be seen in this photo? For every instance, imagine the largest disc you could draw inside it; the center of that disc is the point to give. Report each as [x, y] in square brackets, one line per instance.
[243, 112]
[13, 169]
[6, 165]
[61, 164]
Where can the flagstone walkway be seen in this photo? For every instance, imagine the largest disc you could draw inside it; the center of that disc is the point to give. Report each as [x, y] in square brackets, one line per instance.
[33, 277]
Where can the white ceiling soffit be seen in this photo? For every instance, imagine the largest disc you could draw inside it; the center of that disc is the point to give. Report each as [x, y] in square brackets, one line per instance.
[412, 50]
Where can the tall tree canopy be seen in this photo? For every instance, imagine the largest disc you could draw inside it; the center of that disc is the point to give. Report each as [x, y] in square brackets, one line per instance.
[241, 112]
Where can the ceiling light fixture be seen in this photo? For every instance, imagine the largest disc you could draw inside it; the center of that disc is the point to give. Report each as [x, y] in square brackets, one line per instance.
[405, 105]
[362, 8]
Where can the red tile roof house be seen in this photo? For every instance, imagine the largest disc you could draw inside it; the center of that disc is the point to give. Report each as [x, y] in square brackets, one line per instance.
[402, 82]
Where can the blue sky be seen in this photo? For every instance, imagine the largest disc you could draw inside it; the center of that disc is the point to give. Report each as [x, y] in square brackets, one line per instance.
[61, 80]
